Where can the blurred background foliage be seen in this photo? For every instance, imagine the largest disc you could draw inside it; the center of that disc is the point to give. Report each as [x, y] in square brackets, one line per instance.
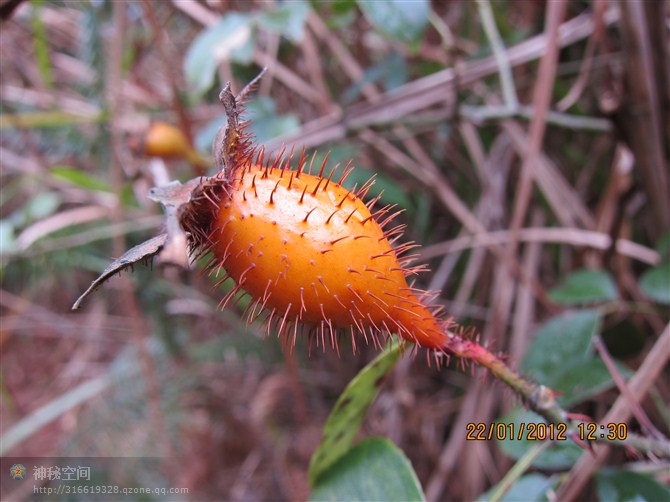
[442, 101]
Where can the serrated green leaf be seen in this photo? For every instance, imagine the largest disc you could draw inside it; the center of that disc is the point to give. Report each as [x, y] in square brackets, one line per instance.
[619, 485]
[79, 178]
[561, 455]
[402, 20]
[230, 39]
[347, 415]
[288, 19]
[585, 286]
[564, 342]
[655, 283]
[375, 469]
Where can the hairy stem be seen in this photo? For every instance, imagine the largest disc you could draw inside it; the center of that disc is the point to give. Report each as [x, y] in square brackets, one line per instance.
[539, 398]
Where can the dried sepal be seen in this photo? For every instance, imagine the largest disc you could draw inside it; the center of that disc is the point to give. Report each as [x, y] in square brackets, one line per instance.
[137, 254]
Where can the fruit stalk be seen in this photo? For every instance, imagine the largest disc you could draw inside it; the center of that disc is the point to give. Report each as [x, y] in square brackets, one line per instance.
[538, 398]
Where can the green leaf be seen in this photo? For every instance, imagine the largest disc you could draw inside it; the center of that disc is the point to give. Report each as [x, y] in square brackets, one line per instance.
[79, 178]
[230, 39]
[38, 207]
[561, 455]
[342, 14]
[563, 343]
[7, 237]
[663, 246]
[392, 71]
[288, 20]
[41, 44]
[561, 357]
[528, 488]
[373, 470]
[619, 485]
[655, 283]
[347, 415]
[402, 20]
[583, 381]
[585, 286]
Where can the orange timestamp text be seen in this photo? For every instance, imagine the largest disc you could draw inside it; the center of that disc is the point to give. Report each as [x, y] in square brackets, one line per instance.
[519, 431]
[540, 431]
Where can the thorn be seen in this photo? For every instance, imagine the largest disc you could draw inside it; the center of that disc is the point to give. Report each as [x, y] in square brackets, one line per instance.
[316, 188]
[338, 240]
[249, 268]
[382, 255]
[309, 212]
[371, 217]
[353, 291]
[330, 176]
[390, 217]
[377, 298]
[288, 160]
[346, 196]
[346, 220]
[338, 301]
[383, 278]
[363, 191]
[345, 174]
[331, 215]
[320, 279]
[273, 191]
[281, 325]
[303, 307]
[260, 156]
[311, 163]
[303, 194]
[323, 164]
[301, 163]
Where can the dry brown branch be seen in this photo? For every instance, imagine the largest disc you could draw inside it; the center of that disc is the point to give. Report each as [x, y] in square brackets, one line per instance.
[646, 111]
[571, 236]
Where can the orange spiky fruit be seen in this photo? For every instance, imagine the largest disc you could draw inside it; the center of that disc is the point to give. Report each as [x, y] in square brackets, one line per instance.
[309, 252]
